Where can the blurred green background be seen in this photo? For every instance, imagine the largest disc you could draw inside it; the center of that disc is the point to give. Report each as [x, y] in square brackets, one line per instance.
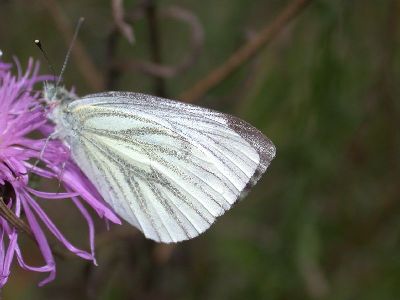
[323, 223]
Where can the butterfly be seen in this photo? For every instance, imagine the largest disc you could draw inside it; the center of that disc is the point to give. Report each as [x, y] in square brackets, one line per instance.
[166, 167]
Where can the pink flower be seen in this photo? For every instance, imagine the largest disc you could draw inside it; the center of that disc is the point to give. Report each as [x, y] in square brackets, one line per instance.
[21, 114]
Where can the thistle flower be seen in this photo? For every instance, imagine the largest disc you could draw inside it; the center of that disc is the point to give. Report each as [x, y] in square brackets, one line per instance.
[21, 114]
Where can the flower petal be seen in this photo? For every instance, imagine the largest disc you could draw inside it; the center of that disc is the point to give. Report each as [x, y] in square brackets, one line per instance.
[47, 195]
[42, 243]
[54, 230]
[89, 221]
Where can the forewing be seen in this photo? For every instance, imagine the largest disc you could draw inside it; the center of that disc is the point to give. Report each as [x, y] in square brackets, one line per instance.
[166, 167]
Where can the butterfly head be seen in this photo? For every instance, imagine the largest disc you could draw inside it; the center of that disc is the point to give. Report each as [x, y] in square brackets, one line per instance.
[55, 94]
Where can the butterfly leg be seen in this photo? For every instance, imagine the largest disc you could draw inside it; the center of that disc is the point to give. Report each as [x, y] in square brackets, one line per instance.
[60, 176]
[51, 136]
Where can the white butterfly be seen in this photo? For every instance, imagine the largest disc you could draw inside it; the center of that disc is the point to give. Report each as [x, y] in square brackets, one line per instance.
[168, 168]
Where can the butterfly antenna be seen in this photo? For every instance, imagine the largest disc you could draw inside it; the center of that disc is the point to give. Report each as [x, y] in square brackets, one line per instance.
[46, 57]
[77, 28]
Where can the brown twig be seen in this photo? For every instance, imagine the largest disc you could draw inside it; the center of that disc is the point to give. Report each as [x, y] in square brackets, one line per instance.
[243, 54]
[112, 73]
[164, 71]
[155, 44]
[84, 62]
[16, 222]
[20, 225]
[118, 14]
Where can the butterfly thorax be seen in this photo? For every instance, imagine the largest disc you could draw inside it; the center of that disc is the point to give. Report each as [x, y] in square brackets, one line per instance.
[57, 99]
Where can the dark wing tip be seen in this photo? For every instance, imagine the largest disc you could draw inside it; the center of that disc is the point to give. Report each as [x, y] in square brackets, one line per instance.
[263, 145]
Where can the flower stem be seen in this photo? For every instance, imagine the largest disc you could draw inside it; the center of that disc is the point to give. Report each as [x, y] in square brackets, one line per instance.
[9, 215]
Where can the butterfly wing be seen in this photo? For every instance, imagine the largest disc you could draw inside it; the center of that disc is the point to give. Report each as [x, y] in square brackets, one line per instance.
[166, 167]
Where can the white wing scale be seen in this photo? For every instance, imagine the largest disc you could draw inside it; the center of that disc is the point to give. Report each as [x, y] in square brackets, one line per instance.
[166, 167]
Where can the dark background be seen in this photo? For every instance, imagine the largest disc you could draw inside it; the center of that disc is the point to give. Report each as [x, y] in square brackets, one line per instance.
[323, 223]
